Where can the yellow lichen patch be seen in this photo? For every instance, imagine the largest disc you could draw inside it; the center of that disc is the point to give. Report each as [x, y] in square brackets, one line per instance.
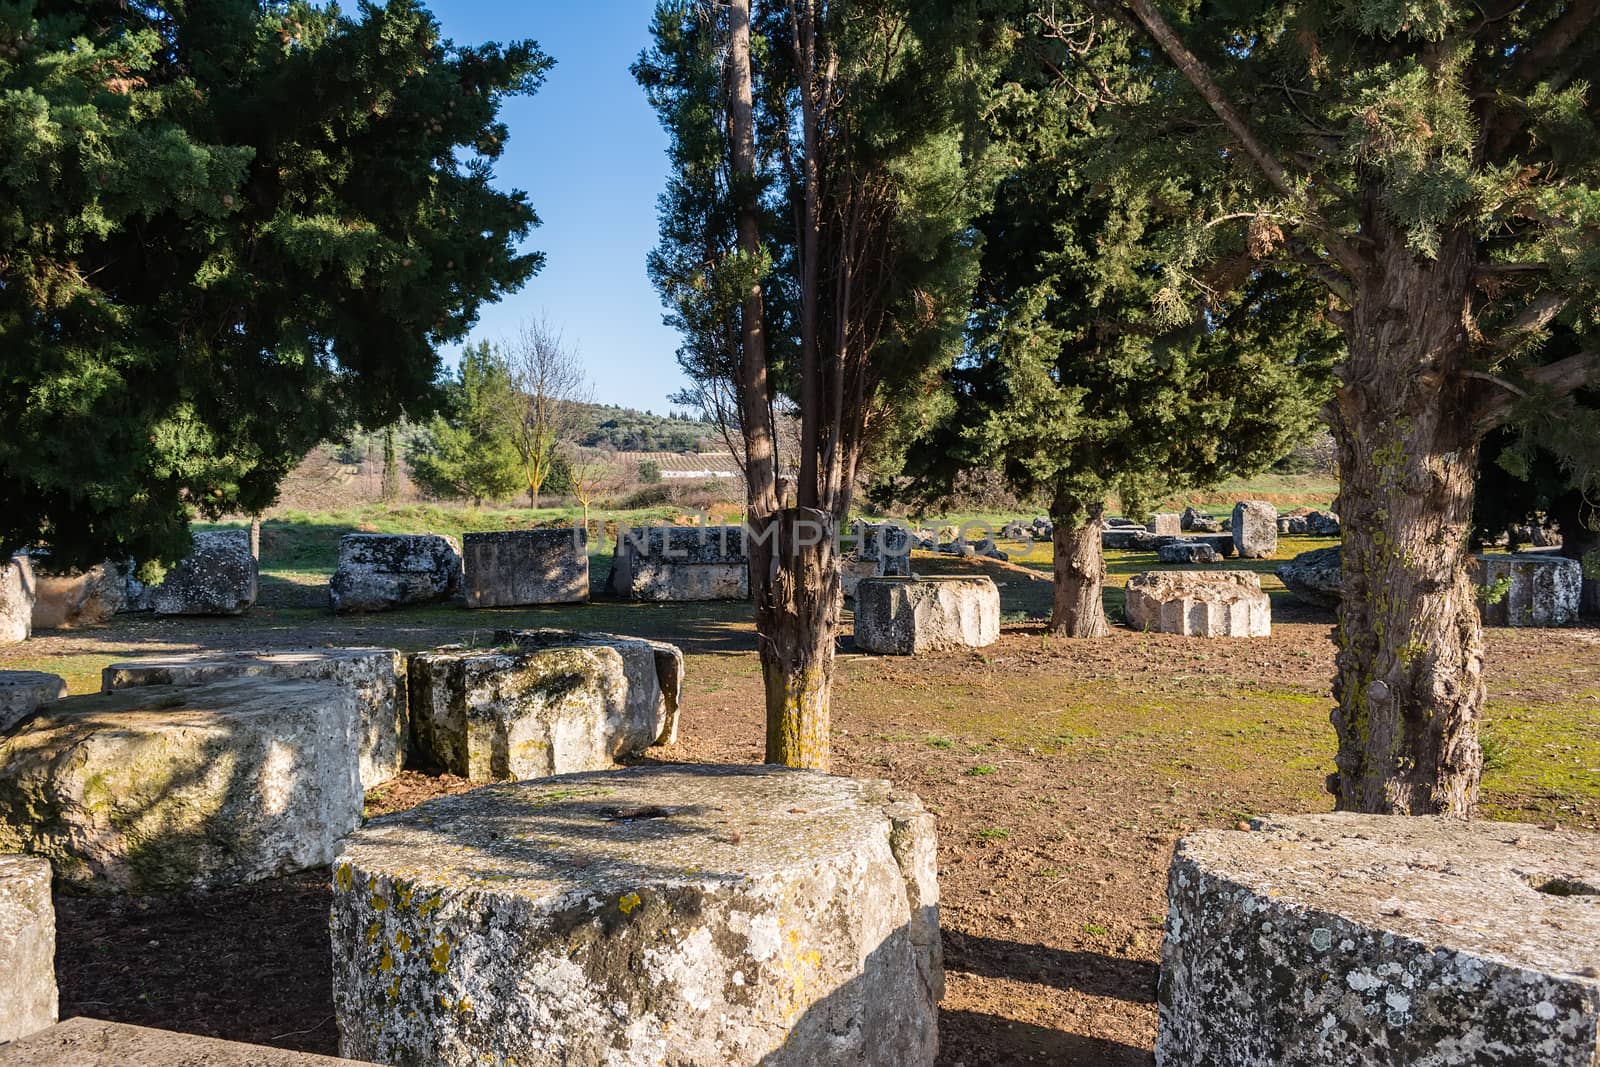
[393, 992]
[386, 962]
[432, 904]
[373, 931]
[402, 897]
[628, 903]
[378, 903]
[441, 955]
[402, 941]
[344, 877]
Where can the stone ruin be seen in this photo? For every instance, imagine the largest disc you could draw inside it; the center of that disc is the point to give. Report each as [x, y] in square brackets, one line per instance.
[92, 1043]
[373, 676]
[1344, 938]
[174, 787]
[1199, 604]
[1187, 552]
[524, 568]
[382, 572]
[217, 577]
[27, 948]
[882, 550]
[1166, 524]
[684, 914]
[680, 563]
[1195, 521]
[24, 692]
[67, 600]
[1316, 577]
[1533, 589]
[1255, 529]
[905, 616]
[541, 703]
[16, 600]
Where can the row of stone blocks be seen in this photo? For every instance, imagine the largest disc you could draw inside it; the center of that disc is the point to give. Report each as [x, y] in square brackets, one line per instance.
[224, 768]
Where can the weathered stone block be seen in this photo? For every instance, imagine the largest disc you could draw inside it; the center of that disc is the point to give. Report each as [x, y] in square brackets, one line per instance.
[889, 545]
[217, 578]
[174, 787]
[1187, 552]
[518, 568]
[513, 712]
[654, 670]
[24, 692]
[853, 570]
[374, 677]
[1199, 604]
[689, 915]
[16, 600]
[1316, 577]
[1255, 529]
[681, 563]
[1362, 939]
[382, 572]
[90, 1043]
[1323, 524]
[79, 598]
[904, 616]
[27, 947]
[1293, 525]
[1166, 524]
[1534, 589]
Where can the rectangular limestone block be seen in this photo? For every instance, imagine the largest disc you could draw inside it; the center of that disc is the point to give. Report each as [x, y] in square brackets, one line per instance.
[92, 1043]
[27, 947]
[518, 568]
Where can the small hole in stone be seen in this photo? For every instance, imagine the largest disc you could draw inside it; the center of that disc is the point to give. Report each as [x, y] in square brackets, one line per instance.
[636, 814]
[1564, 887]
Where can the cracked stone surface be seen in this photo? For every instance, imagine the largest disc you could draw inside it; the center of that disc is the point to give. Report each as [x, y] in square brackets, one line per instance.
[1366, 939]
[681, 563]
[1255, 529]
[1534, 589]
[1199, 604]
[382, 572]
[217, 577]
[174, 787]
[372, 675]
[1316, 577]
[24, 692]
[654, 670]
[91, 1043]
[904, 616]
[27, 947]
[519, 568]
[673, 914]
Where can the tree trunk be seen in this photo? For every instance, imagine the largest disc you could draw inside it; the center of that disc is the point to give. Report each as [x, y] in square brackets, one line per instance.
[1080, 570]
[797, 620]
[391, 467]
[1410, 675]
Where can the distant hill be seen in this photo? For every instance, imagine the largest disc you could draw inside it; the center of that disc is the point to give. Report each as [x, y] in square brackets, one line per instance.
[629, 430]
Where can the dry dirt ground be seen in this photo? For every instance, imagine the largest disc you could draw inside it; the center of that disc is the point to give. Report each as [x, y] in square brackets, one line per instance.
[1061, 773]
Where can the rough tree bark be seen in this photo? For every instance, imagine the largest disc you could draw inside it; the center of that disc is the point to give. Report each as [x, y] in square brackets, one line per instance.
[1410, 681]
[797, 617]
[1080, 570]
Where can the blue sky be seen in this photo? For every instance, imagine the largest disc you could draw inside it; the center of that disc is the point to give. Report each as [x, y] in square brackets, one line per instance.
[592, 158]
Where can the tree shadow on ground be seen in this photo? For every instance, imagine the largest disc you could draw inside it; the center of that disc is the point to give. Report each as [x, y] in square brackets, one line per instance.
[979, 1040]
[1087, 972]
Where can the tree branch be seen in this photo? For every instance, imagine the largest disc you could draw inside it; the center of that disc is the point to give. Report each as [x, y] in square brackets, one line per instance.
[1536, 316]
[1551, 381]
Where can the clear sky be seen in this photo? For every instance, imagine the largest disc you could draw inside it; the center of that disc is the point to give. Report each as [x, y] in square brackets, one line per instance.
[592, 158]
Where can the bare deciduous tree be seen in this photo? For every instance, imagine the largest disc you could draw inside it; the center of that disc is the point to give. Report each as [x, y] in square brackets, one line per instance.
[555, 396]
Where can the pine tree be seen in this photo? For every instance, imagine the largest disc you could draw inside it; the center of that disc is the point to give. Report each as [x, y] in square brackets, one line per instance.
[828, 175]
[470, 450]
[230, 230]
[1437, 167]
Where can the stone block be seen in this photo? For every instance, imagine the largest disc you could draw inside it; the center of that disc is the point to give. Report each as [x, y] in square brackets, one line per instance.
[1323, 524]
[1187, 552]
[654, 670]
[374, 677]
[905, 616]
[676, 914]
[24, 692]
[27, 947]
[217, 577]
[1316, 577]
[516, 712]
[1166, 524]
[64, 601]
[851, 572]
[520, 568]
[16, 600]
[181, 787]
[681, 563]
[382, 572]
[1199, 604]
[1376, 940]
[1255, 529]
[889, 545]
[1535, 589]
[91, 1043]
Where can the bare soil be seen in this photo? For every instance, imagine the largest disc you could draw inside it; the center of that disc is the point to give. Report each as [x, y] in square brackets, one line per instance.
[1061, 773]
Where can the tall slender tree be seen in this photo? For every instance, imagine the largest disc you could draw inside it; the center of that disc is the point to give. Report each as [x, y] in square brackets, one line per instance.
[833, 174]
[230, 230]
[1437, 167]
[554, 398]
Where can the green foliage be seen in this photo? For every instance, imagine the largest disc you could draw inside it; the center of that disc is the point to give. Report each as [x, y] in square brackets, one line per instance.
[230, 230]
[649, 472]
[1075, 387]
[470, 451]
[627, 430]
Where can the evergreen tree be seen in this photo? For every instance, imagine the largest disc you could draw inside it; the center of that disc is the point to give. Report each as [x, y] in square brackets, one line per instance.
[471, 450]
[1437, 167]
[1070, 388]
[828, 175]
[230, 230]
